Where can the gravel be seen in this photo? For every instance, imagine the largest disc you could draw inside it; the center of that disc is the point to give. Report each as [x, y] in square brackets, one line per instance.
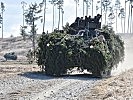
[115, 88]
[35, 86]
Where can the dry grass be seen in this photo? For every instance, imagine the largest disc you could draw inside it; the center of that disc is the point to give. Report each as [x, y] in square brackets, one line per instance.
[115, 88]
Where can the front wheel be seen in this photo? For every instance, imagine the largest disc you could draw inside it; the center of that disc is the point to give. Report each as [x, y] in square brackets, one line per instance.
[106, 73]
[97, 73]
[102, 74]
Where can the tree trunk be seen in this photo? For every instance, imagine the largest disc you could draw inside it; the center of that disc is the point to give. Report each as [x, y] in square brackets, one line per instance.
[101, 12]
[121, 24]
[33, 39]
[59, 20]
[86, 8]
[53, 19]
[128, 20]
[106, 16]
[131, 20]
[62, 17]
[83, 8]
[125, 18]
[116, 20]
[2, 23]
[92, 8]
[44, 16]
[76, 9]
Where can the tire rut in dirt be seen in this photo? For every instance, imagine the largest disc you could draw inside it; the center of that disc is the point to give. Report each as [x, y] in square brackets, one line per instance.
[69, 89]
[24, 88]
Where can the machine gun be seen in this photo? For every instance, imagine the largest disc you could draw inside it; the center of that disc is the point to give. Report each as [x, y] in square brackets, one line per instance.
[86, 27]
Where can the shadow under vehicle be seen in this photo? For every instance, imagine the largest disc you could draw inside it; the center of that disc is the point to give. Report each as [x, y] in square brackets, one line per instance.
[10, 56]
[83, 45]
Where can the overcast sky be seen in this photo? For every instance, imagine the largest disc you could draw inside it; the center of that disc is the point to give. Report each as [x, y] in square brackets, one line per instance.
[13, 15]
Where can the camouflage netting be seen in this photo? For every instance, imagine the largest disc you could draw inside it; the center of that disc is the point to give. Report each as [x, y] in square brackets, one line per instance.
[60, 52]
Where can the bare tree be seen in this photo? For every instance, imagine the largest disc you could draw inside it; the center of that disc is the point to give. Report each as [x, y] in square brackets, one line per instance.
[106, 5]
[2, 10]
[83, 8]
[23, 7]
[131, 26]
[53, 2]
[44, 16]
[117, 7]
[43, 5]
[129, 15]
[23, 27]
[111, 17]
[122, 16]
[125, 17]
[92, 7]
[130, 19]
[101, 9]
[76, 1]
[60, 5]
[62, 11]
[88, 3]
[97, 6]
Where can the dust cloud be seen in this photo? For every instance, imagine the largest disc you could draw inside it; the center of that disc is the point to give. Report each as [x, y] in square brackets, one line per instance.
[128, 60]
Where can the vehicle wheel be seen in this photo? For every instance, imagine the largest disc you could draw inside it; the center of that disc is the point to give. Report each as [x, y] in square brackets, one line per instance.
[97, 74]
[106, 73]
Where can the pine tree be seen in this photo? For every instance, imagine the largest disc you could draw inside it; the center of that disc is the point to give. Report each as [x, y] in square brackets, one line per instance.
[30, 18]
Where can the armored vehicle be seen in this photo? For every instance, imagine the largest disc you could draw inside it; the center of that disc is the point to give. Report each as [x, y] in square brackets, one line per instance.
[10, 56]
[83, 45]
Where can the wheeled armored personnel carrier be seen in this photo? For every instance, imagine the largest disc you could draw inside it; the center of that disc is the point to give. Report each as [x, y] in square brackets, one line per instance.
[10, 56]
[83, 45]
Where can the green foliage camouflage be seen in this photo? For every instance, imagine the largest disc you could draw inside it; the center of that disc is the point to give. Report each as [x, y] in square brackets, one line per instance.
[60, 52]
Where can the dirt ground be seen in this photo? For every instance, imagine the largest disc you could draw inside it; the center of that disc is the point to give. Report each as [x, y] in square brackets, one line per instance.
[23, 82]
[115, 88]
[16, 67]
[28, 85]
